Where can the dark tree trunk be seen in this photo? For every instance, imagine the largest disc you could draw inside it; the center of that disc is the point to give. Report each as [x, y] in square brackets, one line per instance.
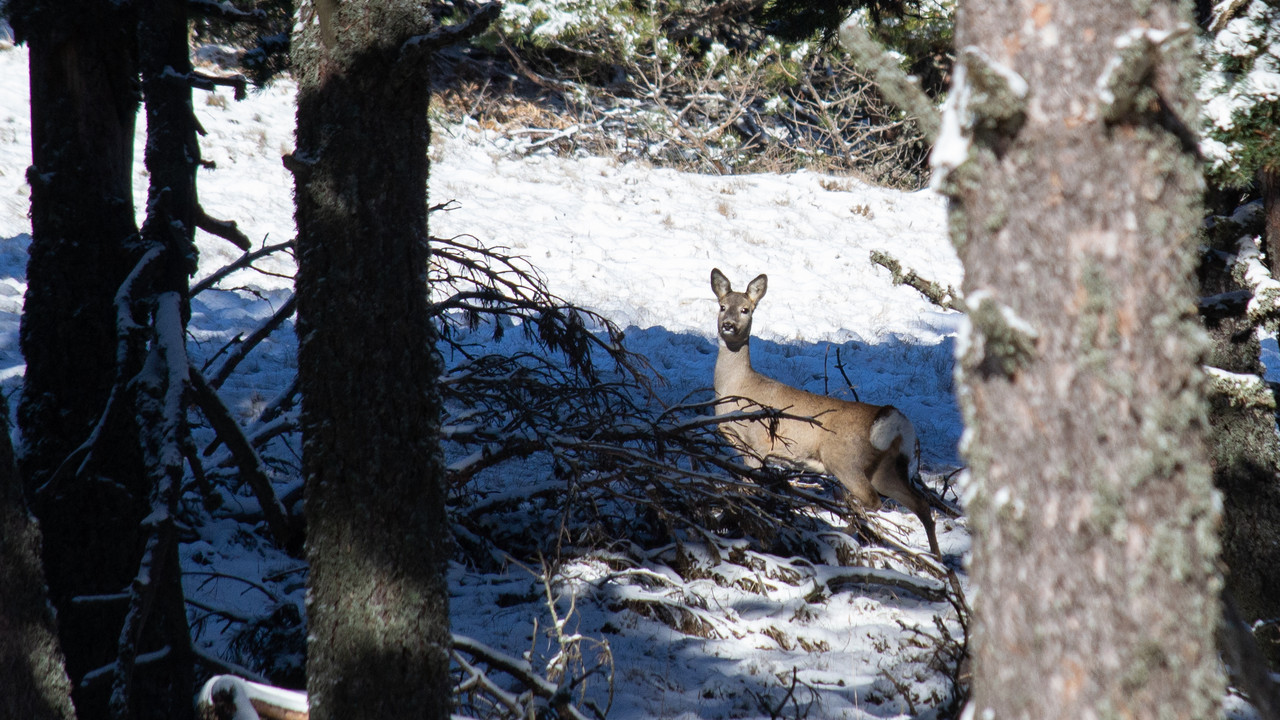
[32, 671]
[378, 537]
[84, 99]
[156, 612]
[1075, 213]
[1246, 461]
[1269, 185]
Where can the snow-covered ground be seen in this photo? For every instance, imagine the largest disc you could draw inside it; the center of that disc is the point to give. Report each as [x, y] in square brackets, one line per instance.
[636, 244]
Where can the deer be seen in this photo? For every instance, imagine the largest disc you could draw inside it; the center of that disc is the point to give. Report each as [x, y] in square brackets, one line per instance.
[872, 450]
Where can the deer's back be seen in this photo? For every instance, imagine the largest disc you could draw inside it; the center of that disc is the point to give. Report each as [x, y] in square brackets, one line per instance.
[839, 433]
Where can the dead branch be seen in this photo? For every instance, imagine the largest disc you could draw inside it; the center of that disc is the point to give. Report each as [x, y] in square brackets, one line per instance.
[947, 298]
[419, 47]
[226, 229]
[159, 391]
[128, 329]
[247, 459]
[280, 405]
[1263, 309]
[857, 578]
[244, 261]
[243, 348]
[522, 671]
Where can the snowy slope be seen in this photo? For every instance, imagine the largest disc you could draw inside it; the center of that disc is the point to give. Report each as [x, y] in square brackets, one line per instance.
[636, 244]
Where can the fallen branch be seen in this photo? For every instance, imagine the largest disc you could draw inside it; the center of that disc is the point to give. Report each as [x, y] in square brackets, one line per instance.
[1242, 390]
[243, 348]
[947, 298]
[522, 671]
[858, 578]
[227, 697]
[250, 463]
[159, 394]
[1264, 308]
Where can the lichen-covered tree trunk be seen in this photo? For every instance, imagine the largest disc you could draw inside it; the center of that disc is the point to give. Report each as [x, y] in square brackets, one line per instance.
[1075, 205]
[378, 538]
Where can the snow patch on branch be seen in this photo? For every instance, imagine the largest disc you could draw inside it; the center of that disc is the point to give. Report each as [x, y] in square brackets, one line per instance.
[995, 339]
[1264, 307]
[987, 96]
[1129, 70]
[1242, 389]
[952, 146]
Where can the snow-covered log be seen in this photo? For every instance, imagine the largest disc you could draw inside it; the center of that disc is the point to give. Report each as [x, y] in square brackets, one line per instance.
[227, 697]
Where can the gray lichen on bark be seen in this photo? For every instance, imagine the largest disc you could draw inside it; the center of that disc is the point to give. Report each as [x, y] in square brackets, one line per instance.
[1090, 494]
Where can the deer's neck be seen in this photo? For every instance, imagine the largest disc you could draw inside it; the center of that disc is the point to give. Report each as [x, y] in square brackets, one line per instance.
[733, 368]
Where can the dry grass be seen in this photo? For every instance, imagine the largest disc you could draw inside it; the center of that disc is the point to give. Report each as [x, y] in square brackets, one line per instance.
[829, 120]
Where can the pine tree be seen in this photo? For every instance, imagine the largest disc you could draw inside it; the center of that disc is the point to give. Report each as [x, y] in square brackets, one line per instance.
[84, 100]
[378, 536]
[1242, 102]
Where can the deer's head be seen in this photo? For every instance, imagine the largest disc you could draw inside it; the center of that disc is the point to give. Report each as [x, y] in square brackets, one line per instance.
[733, 324]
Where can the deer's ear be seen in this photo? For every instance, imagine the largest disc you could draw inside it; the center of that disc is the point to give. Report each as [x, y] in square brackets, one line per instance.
[719, 283]
[757, 287]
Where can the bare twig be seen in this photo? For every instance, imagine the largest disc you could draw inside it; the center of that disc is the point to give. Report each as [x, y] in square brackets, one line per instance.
[523, 673]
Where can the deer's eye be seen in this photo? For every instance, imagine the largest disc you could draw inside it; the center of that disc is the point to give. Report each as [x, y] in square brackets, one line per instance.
[723, 308]
[746, 311]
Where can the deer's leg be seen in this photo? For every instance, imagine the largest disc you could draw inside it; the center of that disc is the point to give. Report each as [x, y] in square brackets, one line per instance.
[857, 487]
[862, 498]
[890, 479]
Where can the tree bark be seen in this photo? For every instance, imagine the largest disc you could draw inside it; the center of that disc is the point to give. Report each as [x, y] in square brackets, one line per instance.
[378, 538]
[1246, 459]
[1075, 205]
[32, 669]
[155, 619]
[84, 100]
[1269, 187]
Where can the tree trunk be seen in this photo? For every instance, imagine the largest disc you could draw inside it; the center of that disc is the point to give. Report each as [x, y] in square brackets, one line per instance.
[1246, 460]
[378, 537]
[1269, 186]
[84, 99]
[1075, 209]
[156, 618]
[32, 670]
